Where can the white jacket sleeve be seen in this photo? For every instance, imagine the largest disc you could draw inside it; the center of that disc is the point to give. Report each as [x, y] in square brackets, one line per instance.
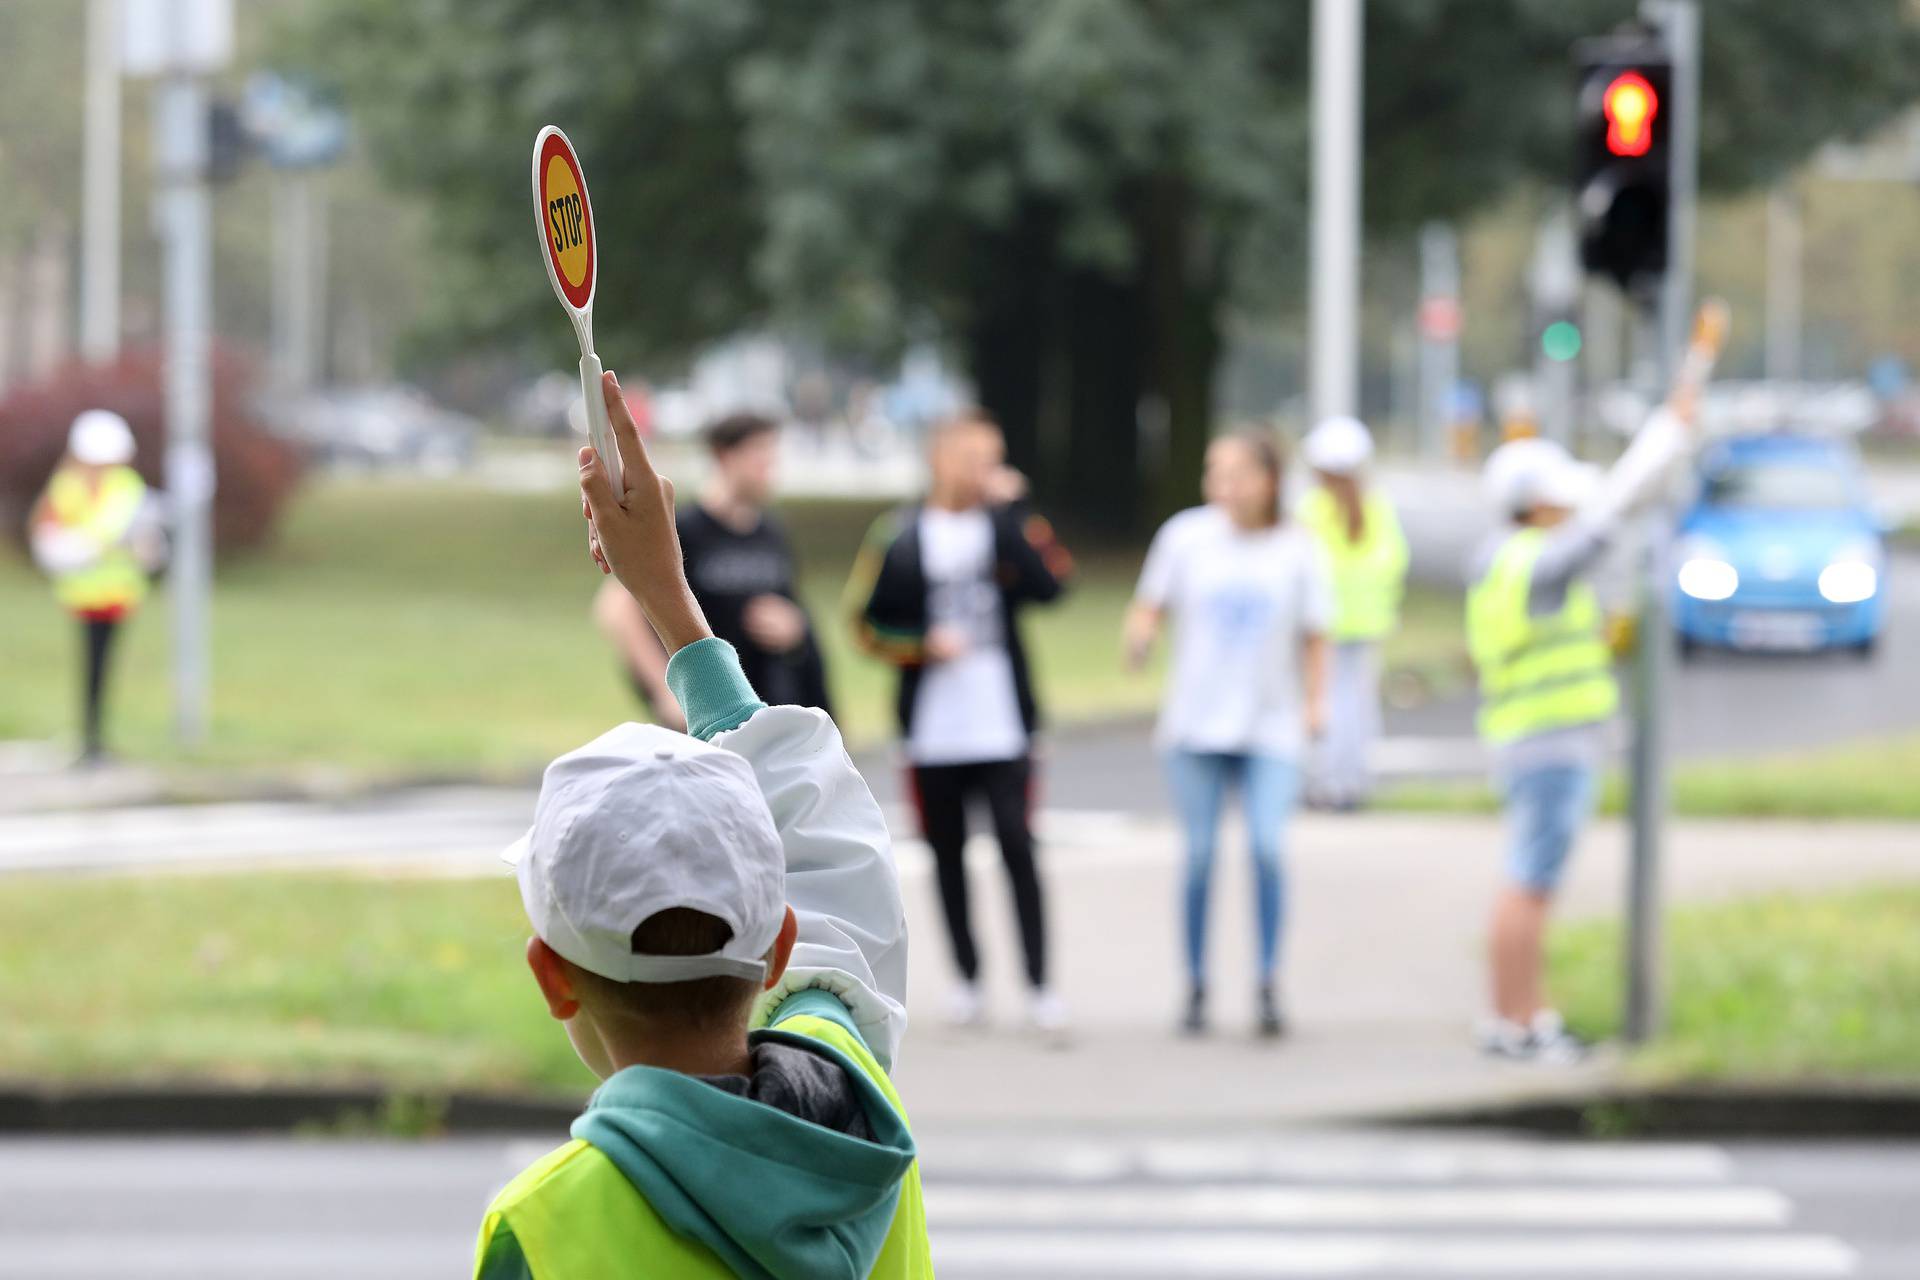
[841, 882]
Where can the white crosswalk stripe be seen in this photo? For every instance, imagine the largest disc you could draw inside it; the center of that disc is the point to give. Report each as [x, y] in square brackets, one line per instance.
[1356, 1205]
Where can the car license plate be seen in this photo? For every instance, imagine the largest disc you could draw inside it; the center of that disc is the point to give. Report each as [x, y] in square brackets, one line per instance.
[1777, 630]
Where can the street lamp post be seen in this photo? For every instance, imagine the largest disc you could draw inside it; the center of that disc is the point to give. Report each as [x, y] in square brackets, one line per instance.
[1334, 288]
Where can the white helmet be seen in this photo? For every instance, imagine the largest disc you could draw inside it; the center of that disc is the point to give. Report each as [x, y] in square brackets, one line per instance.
[1527, 473]
[1339, 446]
[101, 438]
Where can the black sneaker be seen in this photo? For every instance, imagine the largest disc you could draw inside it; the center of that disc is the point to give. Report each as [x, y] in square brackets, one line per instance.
[1195, 1021]
[1272, 1025]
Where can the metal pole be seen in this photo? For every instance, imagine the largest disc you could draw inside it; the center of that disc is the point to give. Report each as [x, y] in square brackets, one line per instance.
[181, 120]
[1680, 20]
[1334, 287]
[100, 188]
[1783, 284]
[1439, 355]
[1555, 281]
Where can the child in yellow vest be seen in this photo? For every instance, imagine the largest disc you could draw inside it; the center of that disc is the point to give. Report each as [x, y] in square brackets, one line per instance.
[718, 924]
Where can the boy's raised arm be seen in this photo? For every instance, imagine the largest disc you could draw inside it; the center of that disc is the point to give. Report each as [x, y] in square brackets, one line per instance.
[840, 877]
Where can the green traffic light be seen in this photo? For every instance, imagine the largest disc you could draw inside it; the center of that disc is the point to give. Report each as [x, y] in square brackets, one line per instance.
[1561, 340]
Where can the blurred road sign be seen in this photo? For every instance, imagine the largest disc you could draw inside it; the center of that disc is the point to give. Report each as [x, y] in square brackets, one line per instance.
[294, 126]
[1440, 319]
[175, 37]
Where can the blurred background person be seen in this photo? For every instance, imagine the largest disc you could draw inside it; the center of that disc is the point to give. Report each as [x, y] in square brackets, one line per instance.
[95, 533]
[937, 591]
[1251, 607]
[1547, 690]
[1366, 556]
[740, 564]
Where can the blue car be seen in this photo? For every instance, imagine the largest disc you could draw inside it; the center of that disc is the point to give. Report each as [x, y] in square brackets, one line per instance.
[1780, 550]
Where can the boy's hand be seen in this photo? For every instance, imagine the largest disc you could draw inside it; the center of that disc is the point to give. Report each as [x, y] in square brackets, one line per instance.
[632, 535]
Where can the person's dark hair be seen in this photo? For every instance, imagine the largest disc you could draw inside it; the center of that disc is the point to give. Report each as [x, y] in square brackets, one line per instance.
[724, 435]
[701, 1004]
[1265, 448]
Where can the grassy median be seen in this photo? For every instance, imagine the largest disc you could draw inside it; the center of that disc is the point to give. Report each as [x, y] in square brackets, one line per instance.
[1873, 779]
[1816, 987]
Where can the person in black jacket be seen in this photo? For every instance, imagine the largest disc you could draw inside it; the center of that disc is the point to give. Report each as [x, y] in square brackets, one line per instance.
[936, 591]
[740, 565]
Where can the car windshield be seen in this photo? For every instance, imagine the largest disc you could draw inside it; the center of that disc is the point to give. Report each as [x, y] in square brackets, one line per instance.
[1792, 486]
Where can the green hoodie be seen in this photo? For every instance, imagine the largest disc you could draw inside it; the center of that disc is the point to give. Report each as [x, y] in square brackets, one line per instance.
[792, 1172]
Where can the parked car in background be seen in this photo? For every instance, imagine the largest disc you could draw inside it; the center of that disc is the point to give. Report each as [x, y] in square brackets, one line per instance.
[376, 428]
[1781, 550]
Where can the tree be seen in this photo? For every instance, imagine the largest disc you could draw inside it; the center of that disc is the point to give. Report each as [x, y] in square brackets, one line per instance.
[1074, 192]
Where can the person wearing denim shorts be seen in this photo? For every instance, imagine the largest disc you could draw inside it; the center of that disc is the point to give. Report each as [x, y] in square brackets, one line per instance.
[1547, 692]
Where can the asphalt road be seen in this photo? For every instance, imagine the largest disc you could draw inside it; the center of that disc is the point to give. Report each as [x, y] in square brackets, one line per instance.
[1112, 1204]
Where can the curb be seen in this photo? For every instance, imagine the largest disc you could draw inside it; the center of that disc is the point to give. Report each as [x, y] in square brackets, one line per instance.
[1735, 1111]
[1804, 1112]
[341, 1111]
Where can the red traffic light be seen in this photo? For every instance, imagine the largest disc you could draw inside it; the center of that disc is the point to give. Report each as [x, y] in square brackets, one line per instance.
[1630, 105]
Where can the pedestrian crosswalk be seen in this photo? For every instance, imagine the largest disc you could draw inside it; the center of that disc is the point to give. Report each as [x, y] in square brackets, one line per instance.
[1356, 1204]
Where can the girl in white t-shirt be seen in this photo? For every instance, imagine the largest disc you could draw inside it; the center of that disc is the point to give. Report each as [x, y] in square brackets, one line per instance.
[1251, 604]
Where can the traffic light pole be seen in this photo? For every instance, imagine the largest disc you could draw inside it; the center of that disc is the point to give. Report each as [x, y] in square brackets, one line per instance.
[1679, 20]
[185, 216]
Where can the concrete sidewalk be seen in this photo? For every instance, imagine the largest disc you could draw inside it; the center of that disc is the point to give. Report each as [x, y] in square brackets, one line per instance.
[1383, 970]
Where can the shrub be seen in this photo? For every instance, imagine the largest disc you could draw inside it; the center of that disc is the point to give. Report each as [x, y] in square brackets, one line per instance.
[255, 471]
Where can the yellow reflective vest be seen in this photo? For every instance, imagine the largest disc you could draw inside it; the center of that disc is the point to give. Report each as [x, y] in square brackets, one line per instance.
[1536, 673]
[1369, 576]
[102, 515]
[573, 1211]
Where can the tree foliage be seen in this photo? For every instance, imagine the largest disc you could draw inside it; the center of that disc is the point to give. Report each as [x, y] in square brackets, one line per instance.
[1071, 191]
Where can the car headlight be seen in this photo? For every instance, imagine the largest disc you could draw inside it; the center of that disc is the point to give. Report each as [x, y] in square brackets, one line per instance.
[1849, 581]
[1708, 578]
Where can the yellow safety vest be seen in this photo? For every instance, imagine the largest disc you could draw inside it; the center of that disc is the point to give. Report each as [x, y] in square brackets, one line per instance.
[103, 516]
[1370, 575]
[1536, 673]
[573, 1210]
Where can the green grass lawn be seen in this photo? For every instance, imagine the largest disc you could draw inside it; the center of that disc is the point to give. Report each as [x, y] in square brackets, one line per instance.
[1771, 989]
[420, 627]
[256, 978]
[1872, 779]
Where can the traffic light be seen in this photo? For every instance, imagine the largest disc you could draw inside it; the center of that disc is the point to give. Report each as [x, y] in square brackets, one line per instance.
[1624, 126]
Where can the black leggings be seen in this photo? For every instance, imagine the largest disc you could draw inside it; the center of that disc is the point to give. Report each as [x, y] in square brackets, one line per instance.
[99, 633]
[941, 792]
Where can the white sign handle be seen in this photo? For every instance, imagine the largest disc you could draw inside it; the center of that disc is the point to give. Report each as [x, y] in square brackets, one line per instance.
[599, 430]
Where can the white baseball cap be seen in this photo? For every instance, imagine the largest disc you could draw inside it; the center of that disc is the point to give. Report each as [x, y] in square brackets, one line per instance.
[639, 821]
[1339, 446]
[1533, 472]
[101, 438]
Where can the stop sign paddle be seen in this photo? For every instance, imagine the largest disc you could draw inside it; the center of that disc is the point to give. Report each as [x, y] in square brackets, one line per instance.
[564, 216]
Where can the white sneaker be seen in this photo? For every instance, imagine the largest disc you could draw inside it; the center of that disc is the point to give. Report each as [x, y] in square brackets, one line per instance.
[965, 1007]
[1047, 1012]
[1552, 1042]
[1499, 1038]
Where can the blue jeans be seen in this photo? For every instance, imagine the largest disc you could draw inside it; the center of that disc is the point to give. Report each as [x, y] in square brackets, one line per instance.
[1267, 784]
[1546, 807]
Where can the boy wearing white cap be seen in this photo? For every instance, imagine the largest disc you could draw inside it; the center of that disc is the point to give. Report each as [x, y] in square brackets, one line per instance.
[682, 890]
[1547, 691]
[1366, 555]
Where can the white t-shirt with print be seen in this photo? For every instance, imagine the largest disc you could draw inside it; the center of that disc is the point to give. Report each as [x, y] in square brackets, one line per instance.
[966, 710]
[1241, 600]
